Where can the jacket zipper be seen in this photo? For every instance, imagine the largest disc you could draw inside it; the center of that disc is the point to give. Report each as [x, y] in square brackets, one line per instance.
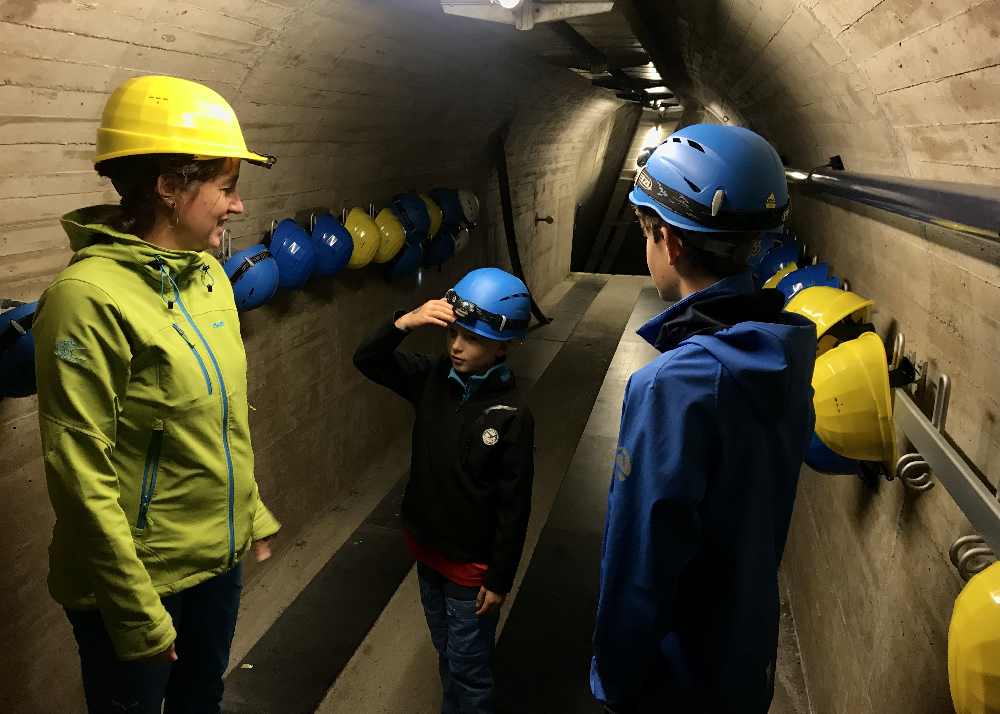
[225, 418]
[197, 356]
[149, 473]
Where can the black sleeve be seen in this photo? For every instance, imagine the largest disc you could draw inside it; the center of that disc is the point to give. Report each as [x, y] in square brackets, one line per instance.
[513, 502]
[378, 359]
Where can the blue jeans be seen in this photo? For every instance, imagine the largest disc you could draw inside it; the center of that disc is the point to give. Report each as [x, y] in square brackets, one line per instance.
[464, 641]
[205, 619]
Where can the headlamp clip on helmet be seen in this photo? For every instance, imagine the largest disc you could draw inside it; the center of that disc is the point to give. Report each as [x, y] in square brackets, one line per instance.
[465, 309]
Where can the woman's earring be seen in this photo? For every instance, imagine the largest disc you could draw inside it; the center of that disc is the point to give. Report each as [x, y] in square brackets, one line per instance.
[173, 217]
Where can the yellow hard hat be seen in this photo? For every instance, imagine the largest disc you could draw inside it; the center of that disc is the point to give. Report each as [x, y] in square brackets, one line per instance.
[168, 115]
[437, 216]
[853, 402]
[974, 645]
[393, 236]
[827, 306]
[367, 238]
[773, 281]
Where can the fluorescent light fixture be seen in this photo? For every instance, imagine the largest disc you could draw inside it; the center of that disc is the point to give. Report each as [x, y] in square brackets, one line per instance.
[507, 4]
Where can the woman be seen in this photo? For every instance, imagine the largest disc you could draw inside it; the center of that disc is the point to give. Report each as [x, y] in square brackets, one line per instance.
[142, 401]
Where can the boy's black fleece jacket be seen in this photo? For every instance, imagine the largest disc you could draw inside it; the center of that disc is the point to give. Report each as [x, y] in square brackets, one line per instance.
[472, 462]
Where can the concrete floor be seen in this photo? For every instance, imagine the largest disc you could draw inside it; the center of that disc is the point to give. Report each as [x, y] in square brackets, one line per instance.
[395, 669]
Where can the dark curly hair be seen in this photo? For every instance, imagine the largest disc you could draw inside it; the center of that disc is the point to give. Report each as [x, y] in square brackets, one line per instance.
[135, 179]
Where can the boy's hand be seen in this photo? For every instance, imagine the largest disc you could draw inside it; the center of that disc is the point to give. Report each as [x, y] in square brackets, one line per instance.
[486, 600]
[433, 312]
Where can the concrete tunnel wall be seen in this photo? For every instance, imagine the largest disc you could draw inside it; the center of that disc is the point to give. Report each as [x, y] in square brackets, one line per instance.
[364, 99]
[360, 100]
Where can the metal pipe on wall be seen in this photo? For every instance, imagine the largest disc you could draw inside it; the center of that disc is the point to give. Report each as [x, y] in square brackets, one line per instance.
[967, 208]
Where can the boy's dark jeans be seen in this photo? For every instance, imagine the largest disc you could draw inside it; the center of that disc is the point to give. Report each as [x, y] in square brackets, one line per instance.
[464, 641]
[205, 619]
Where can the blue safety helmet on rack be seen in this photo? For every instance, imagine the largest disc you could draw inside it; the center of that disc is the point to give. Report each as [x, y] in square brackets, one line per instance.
[707, 178]
[778, 257]
[411, 211]
[17, 351]
[492, 303]
[254, 274]
[807, 277]
[821, 458]
[441, 249]
[334, 245]
[451, 206]
[295, 253]
[406, 263]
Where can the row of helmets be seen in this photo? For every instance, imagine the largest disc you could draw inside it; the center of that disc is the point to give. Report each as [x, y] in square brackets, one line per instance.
[851, 380]
[416, 230]
[854, 424]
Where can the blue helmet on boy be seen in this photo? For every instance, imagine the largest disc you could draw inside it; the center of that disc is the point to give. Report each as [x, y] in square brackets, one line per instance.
[714, 179]
[254, 275]
[17, 351]
[492, 303]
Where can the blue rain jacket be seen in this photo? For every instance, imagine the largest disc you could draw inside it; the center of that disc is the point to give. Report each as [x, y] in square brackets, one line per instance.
[713, 435]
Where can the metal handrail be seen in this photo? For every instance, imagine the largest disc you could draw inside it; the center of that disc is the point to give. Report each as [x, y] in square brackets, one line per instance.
[963, 207]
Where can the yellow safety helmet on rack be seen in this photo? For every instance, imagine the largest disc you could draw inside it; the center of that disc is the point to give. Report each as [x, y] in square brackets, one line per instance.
[366, 236]
[853, 401]
[168, 115]
[393, 236]
[974, 645]
[436, 215]
[826, 307]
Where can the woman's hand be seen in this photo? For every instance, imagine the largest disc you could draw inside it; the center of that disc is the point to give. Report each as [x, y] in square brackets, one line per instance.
[433, 312]
[167, 656]
[262, 549]
[486, 600]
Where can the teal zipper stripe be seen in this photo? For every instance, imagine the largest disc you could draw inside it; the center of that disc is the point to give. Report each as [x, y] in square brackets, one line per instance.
[197, 356]
[149, 473]
[225, 419]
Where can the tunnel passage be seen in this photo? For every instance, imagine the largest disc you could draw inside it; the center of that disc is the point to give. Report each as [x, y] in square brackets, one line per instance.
[364, 100]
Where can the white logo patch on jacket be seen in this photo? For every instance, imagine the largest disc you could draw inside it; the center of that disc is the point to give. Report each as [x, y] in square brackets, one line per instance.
[491, 437]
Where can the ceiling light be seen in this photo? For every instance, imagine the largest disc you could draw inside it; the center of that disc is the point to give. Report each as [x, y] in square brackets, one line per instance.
[508, 4]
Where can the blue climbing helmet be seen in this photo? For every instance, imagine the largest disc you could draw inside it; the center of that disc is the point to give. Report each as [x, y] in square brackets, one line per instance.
[441, 248]
[334, 245]
[412, 212]
[821, 458]
[254, 274]
[294, 252]
[451, 207]
[492, 303]
[780, 256]
[807, 277]
[406, 263]
[17, 351]
[707, 178]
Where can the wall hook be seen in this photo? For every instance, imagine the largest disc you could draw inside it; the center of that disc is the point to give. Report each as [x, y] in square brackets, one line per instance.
[548, 219]
[970, 555]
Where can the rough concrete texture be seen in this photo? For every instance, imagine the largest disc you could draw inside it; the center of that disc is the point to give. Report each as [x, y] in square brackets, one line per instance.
[898, 87]
[360, 100]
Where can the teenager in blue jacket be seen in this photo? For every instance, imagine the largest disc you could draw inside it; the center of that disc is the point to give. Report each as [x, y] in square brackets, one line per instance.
[713, 434]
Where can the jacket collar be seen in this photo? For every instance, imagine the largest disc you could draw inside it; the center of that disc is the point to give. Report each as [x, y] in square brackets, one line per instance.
[496, 378]
[683, 319]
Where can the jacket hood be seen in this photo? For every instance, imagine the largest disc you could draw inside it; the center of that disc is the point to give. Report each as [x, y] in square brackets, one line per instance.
[767, 351]
[91, 235]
